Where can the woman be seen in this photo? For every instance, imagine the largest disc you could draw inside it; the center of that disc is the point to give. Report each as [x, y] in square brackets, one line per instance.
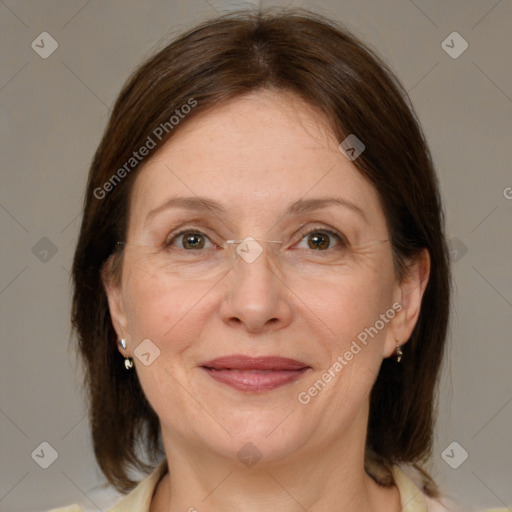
[261, 280]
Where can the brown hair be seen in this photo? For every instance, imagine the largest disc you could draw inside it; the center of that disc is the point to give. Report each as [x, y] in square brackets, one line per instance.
[329, 68]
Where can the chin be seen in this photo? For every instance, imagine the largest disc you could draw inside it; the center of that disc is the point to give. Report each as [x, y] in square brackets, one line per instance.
[267, 439]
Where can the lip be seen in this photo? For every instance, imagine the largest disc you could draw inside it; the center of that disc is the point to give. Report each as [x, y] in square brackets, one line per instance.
[255, 374]
[241, 362]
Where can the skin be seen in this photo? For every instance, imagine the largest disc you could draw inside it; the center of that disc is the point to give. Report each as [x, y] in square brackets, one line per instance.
[255, 155]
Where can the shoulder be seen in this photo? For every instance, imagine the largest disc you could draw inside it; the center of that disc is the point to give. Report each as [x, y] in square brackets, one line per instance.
[138, 500]
[434, 505]
[414, 499]
[70, 508]
[411, 487]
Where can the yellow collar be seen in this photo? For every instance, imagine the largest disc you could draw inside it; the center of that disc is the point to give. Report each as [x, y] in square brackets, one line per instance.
[139, 500]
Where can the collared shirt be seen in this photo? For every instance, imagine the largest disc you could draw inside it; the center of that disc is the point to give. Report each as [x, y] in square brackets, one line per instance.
[139, 499]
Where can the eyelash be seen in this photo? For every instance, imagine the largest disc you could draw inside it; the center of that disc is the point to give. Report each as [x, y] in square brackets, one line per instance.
[302, 234]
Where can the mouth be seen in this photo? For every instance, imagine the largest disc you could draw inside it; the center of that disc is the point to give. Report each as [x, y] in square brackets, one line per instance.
[255, 374]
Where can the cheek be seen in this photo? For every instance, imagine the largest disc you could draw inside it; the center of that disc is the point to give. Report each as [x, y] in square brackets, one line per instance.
[348, 302]
[350, 349]
[161, 307]
[353, 313]
[170, 313]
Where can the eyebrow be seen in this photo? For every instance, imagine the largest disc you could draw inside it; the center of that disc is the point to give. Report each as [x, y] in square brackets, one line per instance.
[299, 207]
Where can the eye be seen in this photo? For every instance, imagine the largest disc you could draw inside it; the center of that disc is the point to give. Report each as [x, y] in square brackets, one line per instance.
[321, 239]
[189, 240]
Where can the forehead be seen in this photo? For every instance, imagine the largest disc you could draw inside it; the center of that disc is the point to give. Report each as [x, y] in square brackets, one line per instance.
[255, 155]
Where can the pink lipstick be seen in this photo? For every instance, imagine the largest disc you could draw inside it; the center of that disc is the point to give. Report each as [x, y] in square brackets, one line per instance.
[255, 374]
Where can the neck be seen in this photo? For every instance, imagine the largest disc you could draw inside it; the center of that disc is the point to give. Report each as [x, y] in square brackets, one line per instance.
[312, 478]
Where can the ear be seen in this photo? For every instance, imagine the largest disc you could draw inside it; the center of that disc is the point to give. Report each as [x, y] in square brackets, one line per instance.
[113, 290]
[409, 294]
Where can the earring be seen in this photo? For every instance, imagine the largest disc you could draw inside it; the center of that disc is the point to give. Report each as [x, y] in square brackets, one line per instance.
[128, 361]
[398, 352]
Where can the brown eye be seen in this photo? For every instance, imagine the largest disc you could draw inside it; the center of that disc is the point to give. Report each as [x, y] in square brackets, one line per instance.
[322, 240]
[188, 240]
[318, 241]
[193, 240]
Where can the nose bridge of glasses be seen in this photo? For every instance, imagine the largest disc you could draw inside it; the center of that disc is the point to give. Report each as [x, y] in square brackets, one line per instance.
[250, 248]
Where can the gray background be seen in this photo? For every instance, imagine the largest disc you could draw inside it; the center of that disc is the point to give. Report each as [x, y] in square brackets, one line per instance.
[53, 113]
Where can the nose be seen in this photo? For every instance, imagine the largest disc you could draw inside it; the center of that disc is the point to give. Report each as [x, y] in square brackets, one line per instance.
[256, 297]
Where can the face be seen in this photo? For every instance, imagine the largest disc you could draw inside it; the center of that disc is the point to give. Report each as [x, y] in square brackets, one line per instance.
[311, 298]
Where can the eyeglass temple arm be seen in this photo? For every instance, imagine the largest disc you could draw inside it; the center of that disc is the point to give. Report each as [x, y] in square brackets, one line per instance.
[280, 242]
[259, 239]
